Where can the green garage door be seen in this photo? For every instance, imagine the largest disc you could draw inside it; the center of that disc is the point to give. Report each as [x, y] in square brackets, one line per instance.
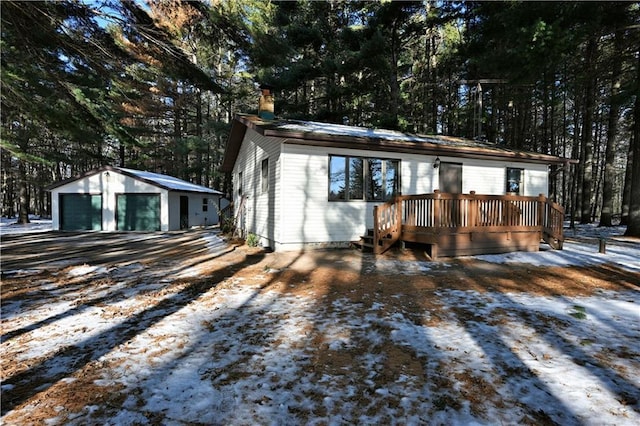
[138, 212]
[80, 212]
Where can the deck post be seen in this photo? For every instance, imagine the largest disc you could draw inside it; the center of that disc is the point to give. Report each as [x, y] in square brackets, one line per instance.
[436, 209]
[541, 212]
[473, 209]
[376, 231]
[398, 217]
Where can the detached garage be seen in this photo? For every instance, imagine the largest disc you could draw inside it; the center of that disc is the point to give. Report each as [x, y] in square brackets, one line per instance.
[119, 199]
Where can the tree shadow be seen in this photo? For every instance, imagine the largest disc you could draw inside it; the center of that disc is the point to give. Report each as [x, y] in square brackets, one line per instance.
[71, 358]
[500, 353]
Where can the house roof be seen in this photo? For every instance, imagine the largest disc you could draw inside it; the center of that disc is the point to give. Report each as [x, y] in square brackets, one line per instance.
[341, 136]
[169, 183]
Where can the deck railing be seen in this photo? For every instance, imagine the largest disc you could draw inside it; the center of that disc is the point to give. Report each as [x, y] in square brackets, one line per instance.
[441, 213]
[387, 222]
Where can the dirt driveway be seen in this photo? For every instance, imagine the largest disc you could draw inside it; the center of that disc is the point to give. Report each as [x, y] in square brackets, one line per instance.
[183, 328]
[40, 251]
[180, 250]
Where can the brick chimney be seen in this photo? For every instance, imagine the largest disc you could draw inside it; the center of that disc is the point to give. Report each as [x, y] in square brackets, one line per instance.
[265, 104]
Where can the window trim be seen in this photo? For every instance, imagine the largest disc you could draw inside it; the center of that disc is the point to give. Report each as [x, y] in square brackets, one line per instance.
[365, 176]
[520, 181]
[205, 204]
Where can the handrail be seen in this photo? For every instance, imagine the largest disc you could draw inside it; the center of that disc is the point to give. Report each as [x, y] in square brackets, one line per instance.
[553, 232]
[387, 223]
[439, 213]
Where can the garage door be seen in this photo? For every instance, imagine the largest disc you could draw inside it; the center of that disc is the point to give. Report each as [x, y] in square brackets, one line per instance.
[80, 212]
[138, 212]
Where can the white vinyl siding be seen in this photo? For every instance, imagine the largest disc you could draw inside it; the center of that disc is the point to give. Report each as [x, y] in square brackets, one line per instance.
[113, 184]
[109, 185]
[536, 179]
[308, 215]
[197, 217]
[489, 177]
[261, 209]
[296, 212]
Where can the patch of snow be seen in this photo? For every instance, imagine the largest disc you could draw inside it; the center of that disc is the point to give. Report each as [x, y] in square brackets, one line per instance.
[9, 226]
[574, 254]
[82, 270]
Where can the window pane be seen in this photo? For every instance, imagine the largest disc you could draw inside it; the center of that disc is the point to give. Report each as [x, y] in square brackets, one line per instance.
[391, 179]
[337, 178]
[514, 180]
[265, 175]
[374, 179]
[356, 179]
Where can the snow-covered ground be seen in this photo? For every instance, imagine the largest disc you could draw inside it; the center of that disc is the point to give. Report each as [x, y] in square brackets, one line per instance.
[241, 352]
[10, 226]
[581, 248]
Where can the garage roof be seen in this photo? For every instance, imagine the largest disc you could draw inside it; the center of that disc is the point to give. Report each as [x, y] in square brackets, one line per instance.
[163, 181]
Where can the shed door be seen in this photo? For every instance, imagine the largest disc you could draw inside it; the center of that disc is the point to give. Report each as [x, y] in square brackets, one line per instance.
[138, 212]
[80, 212]
[451, 178]
[184, 212]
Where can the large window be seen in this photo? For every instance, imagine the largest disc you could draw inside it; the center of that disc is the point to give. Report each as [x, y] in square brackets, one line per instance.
[357, 178]
[514, 181]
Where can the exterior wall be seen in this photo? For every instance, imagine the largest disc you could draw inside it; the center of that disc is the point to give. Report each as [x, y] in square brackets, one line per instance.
[197, 217]
[489, 177]
[536, 180]
[300, 214]
[109, 184]
[260, 213]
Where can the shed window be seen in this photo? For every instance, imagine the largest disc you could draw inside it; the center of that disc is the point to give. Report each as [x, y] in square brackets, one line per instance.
[240, 184]
[265, 175]
[205, 204]
[514, 180]
[356, 178]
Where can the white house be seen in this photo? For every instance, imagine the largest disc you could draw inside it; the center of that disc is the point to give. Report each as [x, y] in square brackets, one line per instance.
[303, 184]
[119, 199]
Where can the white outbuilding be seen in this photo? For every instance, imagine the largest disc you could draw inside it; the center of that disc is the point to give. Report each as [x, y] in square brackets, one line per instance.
[120, 199]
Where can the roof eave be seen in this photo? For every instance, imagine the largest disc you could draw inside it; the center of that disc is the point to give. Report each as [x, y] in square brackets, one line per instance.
[265, 128]
[238, 130]
[415, 148]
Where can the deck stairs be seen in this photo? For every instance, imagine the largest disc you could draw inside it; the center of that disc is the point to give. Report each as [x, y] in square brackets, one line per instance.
[368, 244]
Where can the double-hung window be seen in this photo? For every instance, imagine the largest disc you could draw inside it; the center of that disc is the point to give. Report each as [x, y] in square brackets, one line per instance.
[360, 178]
[514, 181]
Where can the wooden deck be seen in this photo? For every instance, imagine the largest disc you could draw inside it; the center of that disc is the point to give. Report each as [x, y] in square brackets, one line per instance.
[466, 224]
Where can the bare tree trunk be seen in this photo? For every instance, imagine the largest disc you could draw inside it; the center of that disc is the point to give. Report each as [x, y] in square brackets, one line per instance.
[23, 193]
[633, 227]
[626, 192]
[200, 146]
[612, 129]
[587, 134]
